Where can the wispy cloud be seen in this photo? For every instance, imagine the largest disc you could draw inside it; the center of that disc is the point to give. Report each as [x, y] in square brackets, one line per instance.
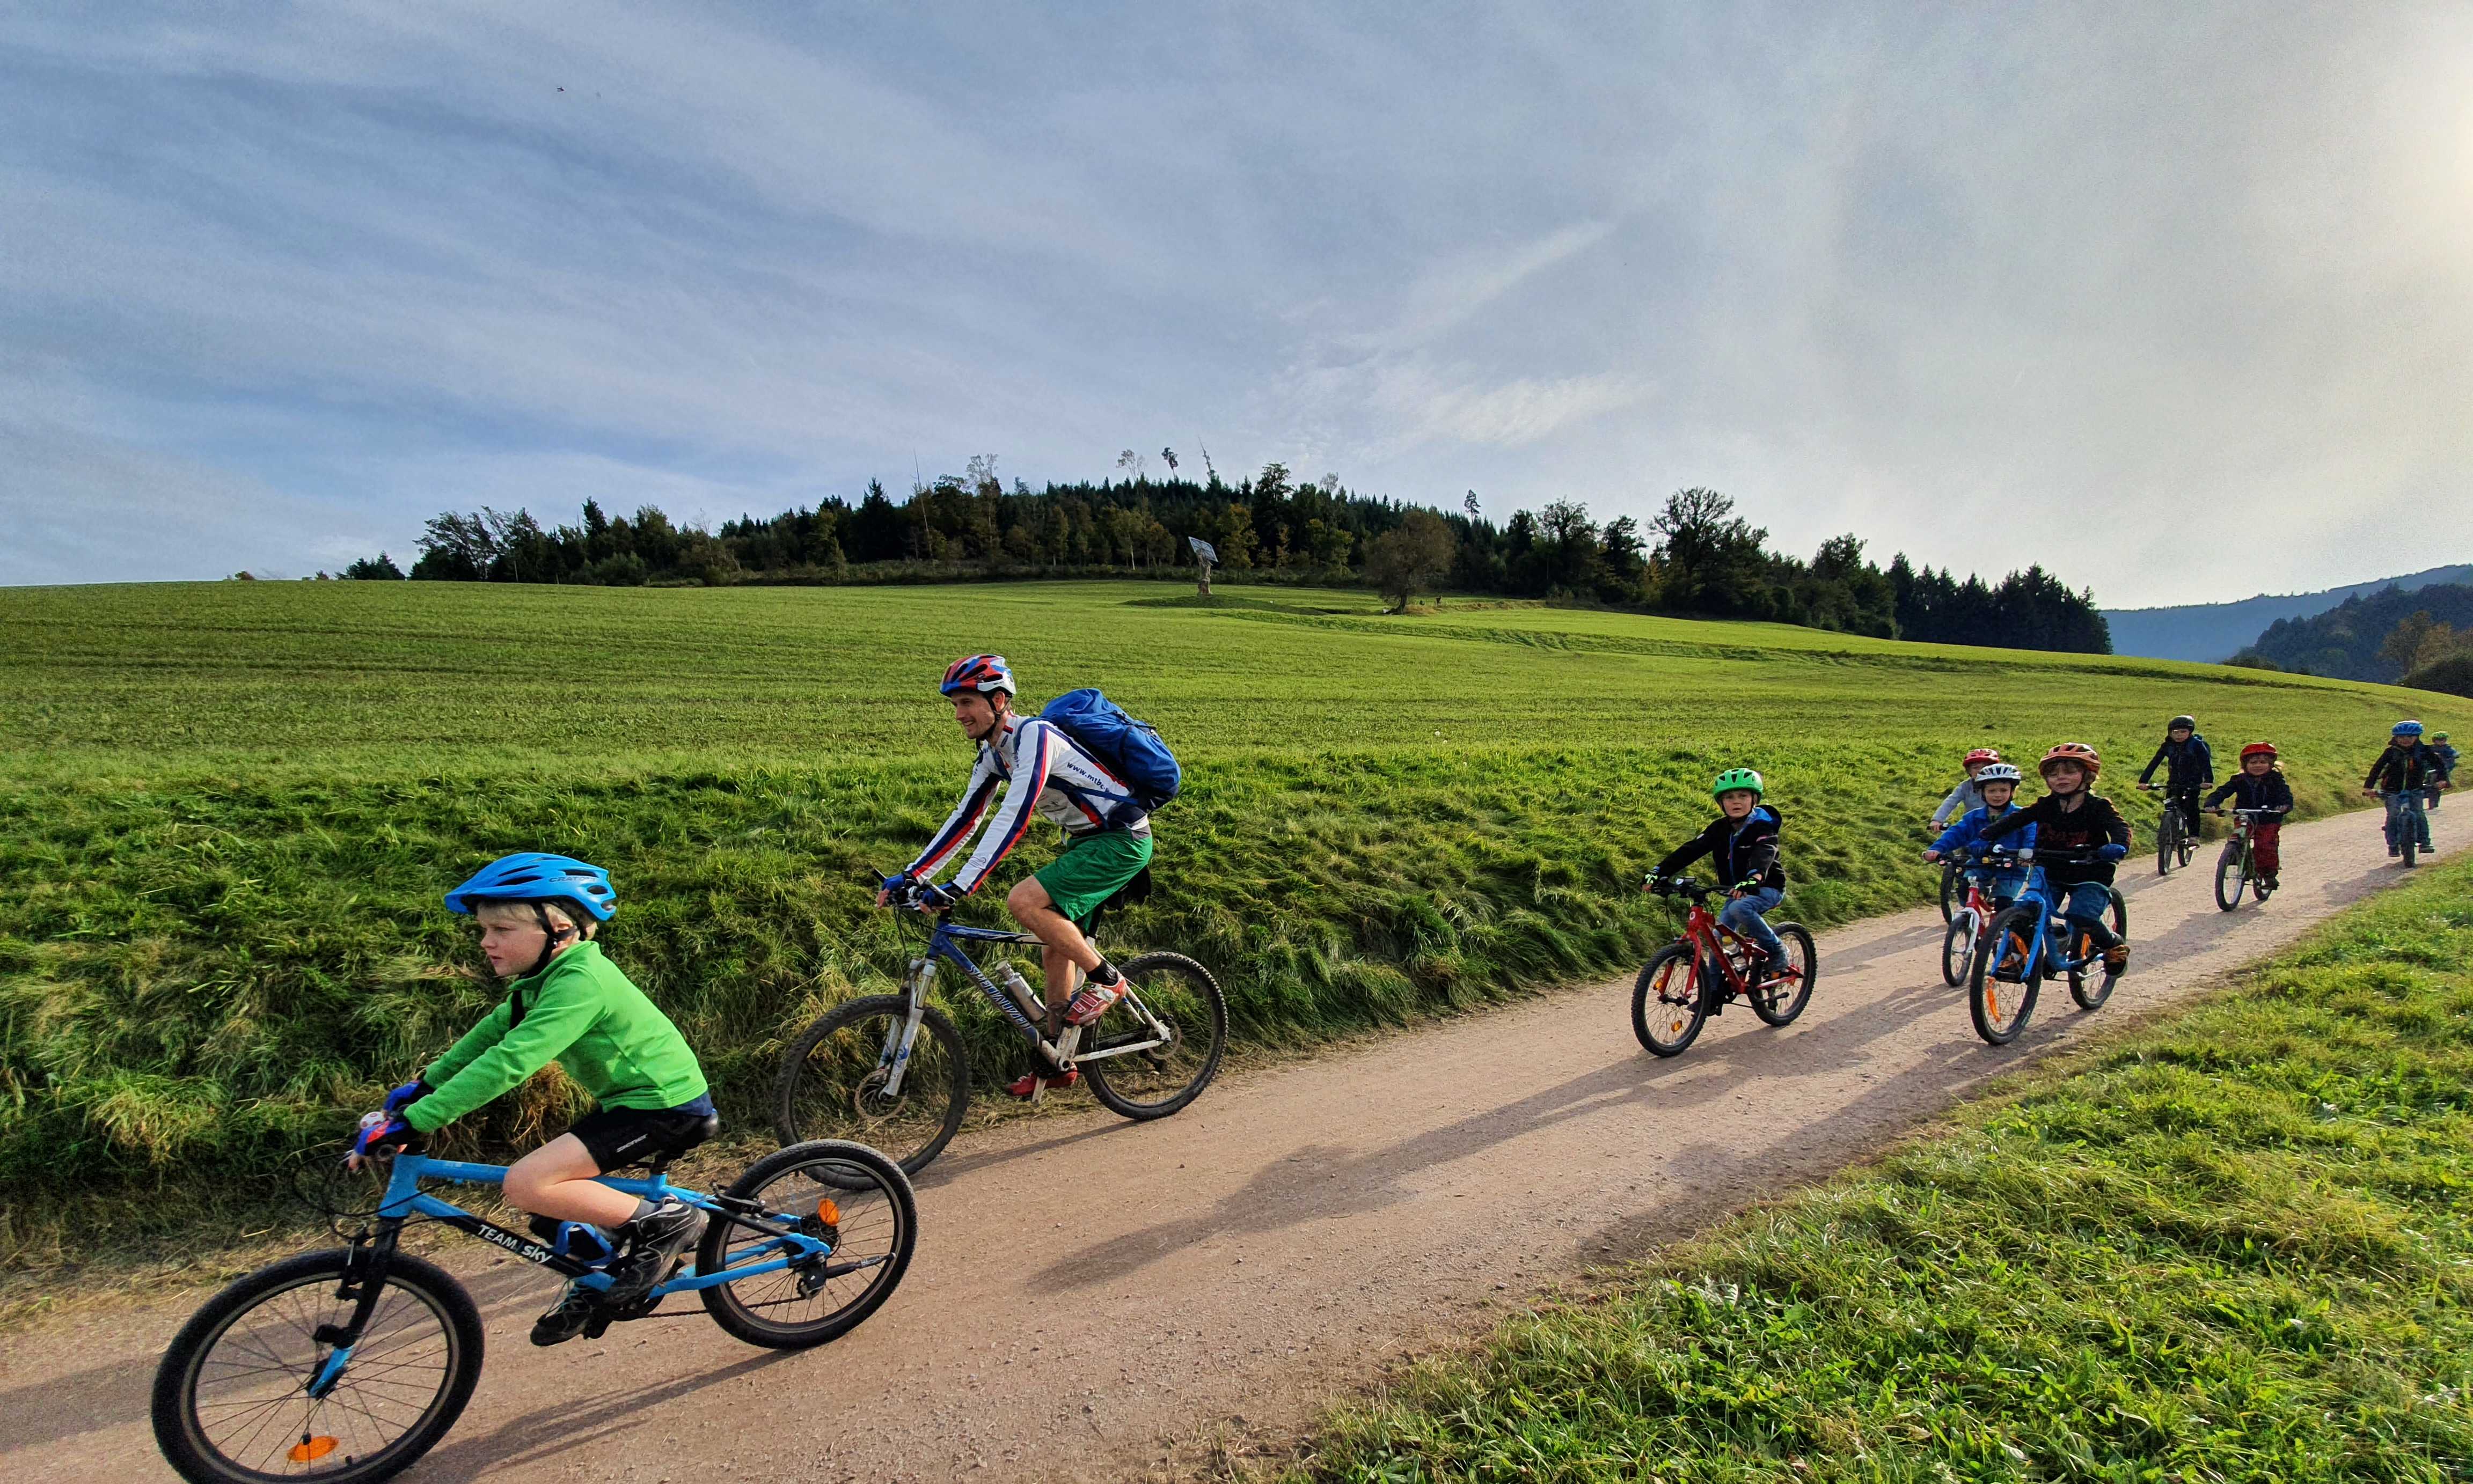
[292, 280]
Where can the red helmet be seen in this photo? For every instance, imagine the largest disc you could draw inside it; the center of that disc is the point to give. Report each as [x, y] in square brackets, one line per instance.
[1984, 755]
[2077, 753]
[981, 673]
[2258, 749]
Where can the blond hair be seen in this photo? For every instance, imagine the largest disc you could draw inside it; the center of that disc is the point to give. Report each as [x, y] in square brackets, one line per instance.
[583, 924]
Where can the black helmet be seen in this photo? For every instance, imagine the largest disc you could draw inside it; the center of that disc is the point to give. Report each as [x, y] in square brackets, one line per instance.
[2179, 721]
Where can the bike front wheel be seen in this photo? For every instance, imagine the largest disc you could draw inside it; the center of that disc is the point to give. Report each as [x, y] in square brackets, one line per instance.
[232, 1395]
[1780, 997]
[847, 1194]
[1948, 893]
[2232, 875]
[1957, 948]
[2168, 839]
[833, 1081]
[2007, 975]
[1174, 1001]
[1667, 1008]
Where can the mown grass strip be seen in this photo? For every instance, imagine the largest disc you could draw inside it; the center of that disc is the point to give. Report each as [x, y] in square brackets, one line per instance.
[2232, 1247]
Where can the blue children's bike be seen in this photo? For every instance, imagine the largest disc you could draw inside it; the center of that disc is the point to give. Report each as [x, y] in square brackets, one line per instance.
[350, 1363]
[893, 1069]
[2030, 940]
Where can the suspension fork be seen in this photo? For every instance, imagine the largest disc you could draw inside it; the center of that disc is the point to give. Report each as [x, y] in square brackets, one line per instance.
[901, 1038]
[365, 1273]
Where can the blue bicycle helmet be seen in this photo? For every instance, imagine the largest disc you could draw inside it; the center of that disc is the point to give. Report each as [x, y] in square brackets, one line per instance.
[532, 875]
[2407, 728]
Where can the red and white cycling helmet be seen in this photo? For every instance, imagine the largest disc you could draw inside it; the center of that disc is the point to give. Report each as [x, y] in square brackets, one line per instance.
[981, 673]
[2258, 749]
[2077, 753]
[1983, 755]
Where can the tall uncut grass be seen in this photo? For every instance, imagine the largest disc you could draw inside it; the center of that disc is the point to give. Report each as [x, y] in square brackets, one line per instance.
[2233, 1247]
[228, 812]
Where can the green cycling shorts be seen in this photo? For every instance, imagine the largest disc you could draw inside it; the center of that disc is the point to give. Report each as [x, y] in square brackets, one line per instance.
[1092, 869]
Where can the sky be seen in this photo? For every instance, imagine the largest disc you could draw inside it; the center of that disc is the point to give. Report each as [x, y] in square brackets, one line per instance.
[2174, 299]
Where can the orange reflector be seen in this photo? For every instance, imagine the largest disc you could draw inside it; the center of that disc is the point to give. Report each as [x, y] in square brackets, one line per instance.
[827, 1212]
[309, 1451]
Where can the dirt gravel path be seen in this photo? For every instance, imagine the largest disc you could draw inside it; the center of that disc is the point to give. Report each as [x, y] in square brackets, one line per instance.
[1099, 1300]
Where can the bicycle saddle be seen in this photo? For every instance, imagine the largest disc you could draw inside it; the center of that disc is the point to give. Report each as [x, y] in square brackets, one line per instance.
[670, 1149]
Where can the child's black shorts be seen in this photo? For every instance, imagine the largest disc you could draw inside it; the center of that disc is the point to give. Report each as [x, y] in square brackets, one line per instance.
[616, 1137]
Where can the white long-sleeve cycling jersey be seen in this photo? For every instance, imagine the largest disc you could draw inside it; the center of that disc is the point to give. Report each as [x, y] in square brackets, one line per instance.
[1045, 773]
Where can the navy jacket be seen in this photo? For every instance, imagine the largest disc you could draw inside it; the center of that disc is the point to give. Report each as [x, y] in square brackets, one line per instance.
[2191, 765]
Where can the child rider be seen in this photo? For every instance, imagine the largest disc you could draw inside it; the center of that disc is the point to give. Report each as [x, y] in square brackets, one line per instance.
[2071, 817]
[2407, 771]
[2001, 884]
[2259, 785]
[566, 1003]
[1742, 844]
[1969, 793]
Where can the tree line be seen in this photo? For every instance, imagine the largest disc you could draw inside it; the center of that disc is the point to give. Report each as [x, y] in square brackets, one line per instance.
[2419, 637]
[1696, 556]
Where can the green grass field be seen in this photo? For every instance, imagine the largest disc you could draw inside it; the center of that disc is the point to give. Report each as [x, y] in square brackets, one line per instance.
[228, 809]
[2232, 1247]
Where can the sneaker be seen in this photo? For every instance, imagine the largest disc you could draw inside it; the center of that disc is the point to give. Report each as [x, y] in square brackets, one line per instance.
[1093, 1000]
[655, 1241]
[2116, 958]
[2395, 850]
[1023, 1085]
[567, 1318]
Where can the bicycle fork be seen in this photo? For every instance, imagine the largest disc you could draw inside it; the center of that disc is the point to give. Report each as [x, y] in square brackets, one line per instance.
[902, 1037]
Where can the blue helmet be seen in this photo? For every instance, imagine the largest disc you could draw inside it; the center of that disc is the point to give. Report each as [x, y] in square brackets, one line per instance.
[2407, 728]
[530, 875]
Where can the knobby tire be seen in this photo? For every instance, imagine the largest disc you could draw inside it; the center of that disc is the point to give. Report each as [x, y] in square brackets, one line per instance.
[1145, 1084]
[2233, 866]
[831, 1073]
[1668, 1003]
[879, 1226]
[2000, 1008]
[1957, 949]
[1777, 1002]
[421, 1309]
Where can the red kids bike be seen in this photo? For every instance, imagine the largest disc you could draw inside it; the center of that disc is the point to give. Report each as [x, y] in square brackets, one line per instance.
[1695, 976]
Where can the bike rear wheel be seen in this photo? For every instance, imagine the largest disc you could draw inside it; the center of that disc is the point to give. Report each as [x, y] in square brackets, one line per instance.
[2232, 875]
[1779, 997]
[2002, 1007]
[231, 1399]
[847, 1194]
[2091, 990]
[1180, 994]
[1957, 948]
[1667, 1008]
[835, 1075]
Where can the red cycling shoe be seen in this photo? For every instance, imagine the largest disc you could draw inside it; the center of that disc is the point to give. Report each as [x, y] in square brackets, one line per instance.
[1031, 1082]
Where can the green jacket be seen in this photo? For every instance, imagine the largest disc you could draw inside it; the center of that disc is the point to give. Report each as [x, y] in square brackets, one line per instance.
[581, 1013]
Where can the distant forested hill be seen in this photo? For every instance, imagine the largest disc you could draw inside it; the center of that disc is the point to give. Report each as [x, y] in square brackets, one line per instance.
[2212, 631]
[2343, 641]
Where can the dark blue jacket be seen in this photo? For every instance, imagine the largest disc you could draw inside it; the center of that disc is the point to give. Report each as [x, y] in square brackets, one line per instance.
[2192, 764]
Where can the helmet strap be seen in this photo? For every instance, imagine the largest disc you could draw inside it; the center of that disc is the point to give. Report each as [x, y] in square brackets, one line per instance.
[550, 938]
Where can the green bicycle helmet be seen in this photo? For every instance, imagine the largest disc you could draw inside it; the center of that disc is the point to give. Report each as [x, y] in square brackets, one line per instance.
[1734, 778]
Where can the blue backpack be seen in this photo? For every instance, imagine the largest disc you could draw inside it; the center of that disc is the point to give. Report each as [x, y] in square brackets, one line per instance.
[1129, 748]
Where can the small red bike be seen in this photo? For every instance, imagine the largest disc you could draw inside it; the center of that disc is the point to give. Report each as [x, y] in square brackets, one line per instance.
[1693, 977]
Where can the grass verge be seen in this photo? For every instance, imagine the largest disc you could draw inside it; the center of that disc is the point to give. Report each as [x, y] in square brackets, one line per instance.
[2230, 1247]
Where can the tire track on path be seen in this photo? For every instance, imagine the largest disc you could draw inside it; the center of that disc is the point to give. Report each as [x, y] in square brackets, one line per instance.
[1099, 1300]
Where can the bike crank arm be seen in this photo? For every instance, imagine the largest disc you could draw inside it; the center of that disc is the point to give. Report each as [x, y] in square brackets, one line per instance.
[1107, 1049]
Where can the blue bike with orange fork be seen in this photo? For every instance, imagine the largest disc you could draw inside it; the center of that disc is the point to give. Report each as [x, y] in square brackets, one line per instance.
[350, 1363]
[2030, 940]
[894, 1072]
